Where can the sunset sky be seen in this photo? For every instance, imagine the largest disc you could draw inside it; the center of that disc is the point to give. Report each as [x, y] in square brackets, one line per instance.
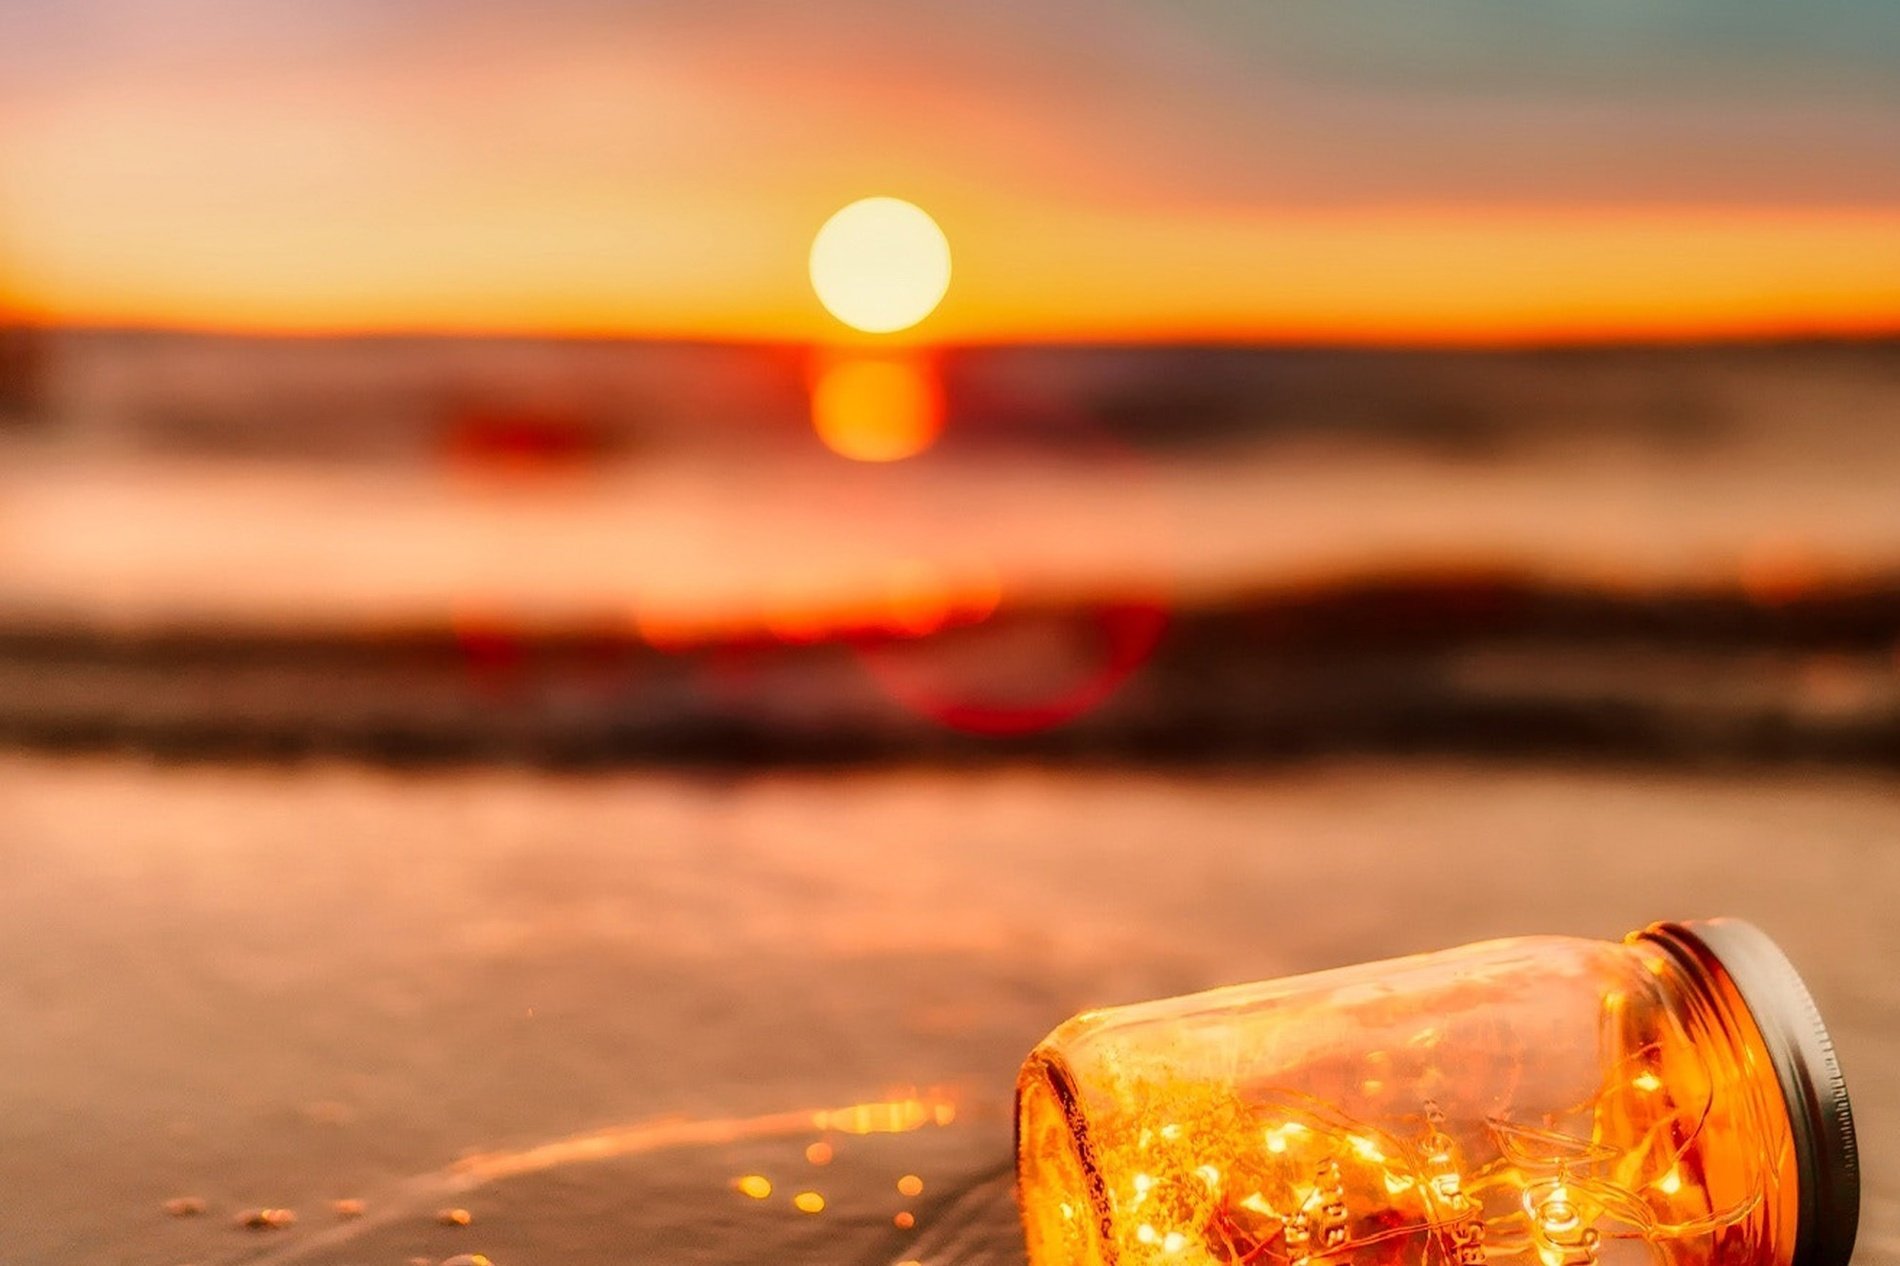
[1446, 170]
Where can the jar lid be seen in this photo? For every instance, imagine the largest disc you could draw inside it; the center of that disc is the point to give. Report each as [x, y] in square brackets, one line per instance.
[1826, 1159]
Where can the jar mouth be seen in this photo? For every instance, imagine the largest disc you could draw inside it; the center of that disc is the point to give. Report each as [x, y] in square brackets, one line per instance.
[1735, 957]
[1063, 1199]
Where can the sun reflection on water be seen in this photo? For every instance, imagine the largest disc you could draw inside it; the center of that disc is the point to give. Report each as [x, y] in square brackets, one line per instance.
[877, 408]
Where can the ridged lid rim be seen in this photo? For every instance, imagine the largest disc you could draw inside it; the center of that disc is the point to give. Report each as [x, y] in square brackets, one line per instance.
[1827, 1158]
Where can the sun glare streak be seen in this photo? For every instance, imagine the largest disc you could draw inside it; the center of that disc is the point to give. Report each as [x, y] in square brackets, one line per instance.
[880, 265]
[890, 1116]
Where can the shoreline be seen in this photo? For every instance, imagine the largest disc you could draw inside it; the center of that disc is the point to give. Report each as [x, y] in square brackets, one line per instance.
[1491, 667]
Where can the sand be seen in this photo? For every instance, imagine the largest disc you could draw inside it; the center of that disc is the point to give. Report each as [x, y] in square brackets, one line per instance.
[581, 1007]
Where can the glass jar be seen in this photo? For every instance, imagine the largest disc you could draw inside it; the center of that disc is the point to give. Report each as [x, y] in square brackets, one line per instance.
[1548, 1101]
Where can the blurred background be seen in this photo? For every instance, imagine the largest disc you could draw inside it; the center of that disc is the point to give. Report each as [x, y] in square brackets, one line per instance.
[554, 658]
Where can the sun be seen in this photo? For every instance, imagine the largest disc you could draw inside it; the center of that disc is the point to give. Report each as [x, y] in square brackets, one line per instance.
[880, 265]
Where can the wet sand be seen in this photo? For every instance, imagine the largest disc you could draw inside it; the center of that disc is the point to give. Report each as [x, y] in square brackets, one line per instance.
[580, 1007]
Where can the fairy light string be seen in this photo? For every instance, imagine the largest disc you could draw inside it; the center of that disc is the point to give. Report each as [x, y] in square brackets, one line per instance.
[1283, 1178]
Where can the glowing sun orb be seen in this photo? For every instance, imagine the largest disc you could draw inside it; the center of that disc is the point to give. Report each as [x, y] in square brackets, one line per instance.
[880, 265]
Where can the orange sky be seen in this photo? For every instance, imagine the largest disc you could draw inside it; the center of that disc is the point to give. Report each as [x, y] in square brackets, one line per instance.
[1140, 172]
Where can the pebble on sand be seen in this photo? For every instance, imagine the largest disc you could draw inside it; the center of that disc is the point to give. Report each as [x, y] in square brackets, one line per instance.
[267, 1219]
[467, 1259]
[185, 1206]
[454, 1217]
[347, 1208]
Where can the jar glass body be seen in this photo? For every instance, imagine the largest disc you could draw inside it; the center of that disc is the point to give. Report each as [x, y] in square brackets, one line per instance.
[1547, 1101]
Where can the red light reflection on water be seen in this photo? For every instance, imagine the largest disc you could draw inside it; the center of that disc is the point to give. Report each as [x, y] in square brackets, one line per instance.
[506, 656]
[939, 626]
[1099, 650]
[495, 441]
[492, 646]
[904, 597]
[983, 661]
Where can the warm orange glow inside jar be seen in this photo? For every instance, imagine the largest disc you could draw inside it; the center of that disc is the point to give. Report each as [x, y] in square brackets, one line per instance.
[1546, 1101]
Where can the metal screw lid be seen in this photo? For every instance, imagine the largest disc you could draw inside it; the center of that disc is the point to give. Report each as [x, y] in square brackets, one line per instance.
[1826, 1157]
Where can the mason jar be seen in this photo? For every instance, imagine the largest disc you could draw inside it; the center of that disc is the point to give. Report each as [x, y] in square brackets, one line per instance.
[1546, 1101]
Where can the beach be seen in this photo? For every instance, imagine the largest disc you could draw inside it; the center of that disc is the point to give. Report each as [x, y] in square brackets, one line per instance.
[277, 988]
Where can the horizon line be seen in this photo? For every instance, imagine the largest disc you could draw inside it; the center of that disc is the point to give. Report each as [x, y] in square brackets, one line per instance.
[1742, 335]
